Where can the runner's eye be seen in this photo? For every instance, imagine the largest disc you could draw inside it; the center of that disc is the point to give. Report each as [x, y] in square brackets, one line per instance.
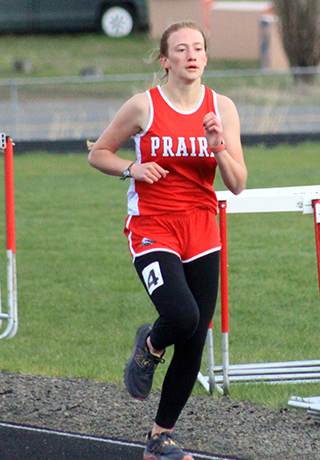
[181, 49]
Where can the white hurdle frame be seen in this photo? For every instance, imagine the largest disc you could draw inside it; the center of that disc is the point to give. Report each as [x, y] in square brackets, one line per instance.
[282, 199]
[11, 316]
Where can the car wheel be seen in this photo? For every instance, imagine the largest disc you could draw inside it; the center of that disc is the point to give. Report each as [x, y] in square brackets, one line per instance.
[116, 22]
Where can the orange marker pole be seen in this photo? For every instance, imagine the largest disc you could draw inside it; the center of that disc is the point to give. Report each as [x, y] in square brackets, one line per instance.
[12, 315]
[9, 184]
[224, 294]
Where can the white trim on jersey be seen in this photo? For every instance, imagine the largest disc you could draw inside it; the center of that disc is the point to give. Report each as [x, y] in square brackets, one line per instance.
[215, 103]
[133, 200]
[183, 112]
[150, 117]
[132, 195]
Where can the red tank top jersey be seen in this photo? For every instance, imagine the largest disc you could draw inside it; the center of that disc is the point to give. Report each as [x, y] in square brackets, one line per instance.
[175, 140]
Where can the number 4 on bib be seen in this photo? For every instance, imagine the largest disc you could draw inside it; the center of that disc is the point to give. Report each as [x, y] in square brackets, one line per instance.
[152, 277]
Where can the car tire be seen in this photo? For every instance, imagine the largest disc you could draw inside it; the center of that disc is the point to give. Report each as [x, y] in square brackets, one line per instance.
[117, 21]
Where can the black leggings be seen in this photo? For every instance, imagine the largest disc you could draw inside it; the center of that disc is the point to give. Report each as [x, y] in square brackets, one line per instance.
[185, 300]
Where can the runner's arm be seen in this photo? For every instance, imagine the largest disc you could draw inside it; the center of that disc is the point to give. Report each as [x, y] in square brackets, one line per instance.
[131, 119]
[230, 160]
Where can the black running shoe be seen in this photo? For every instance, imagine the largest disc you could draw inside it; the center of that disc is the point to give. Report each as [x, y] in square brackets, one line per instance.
[163, 447]
[139, 370]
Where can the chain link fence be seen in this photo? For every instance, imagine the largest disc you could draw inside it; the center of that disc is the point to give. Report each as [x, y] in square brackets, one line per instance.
[81, 107]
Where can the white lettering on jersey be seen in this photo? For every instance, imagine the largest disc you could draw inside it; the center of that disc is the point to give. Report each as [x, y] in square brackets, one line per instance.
[193, 146]
[182, 148]
[167, 146]
[199, 147]
[203, 145]
[155, 144]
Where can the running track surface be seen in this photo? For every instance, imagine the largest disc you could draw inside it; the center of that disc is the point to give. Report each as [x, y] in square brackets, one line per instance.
[26, 443]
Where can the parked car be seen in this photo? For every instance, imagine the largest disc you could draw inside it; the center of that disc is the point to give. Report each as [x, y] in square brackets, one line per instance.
[116, 18]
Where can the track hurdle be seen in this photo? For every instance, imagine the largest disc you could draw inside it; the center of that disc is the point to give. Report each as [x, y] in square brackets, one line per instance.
[283, 199]
[11, 317]
[311, 404]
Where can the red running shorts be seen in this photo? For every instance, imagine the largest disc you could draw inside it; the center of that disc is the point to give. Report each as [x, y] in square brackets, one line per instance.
[189, 234]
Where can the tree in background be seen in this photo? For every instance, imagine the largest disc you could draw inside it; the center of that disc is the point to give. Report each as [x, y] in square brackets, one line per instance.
[300, 29]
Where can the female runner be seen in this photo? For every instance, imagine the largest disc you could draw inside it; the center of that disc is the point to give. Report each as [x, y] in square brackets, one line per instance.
[183, 131]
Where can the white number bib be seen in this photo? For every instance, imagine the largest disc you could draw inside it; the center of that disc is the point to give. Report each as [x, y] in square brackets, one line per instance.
[152, 277]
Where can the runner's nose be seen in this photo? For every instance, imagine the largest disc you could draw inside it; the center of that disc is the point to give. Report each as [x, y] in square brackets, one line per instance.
[191, 56]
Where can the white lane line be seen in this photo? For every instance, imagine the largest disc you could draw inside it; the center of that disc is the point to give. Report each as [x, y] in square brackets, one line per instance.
[93, 438]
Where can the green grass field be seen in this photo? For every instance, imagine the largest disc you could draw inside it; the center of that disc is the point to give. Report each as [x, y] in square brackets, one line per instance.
[80, 300]
[67, 55]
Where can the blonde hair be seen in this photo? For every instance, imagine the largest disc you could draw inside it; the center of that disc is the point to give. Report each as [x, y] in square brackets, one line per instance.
[90, 145]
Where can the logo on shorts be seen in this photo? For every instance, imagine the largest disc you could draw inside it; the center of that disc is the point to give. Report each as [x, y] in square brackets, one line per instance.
[147, 242]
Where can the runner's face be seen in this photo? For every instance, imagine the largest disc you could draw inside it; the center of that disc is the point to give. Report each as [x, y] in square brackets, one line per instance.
[187, 57]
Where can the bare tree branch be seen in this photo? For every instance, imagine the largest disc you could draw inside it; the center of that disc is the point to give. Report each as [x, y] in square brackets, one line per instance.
[300, 30]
